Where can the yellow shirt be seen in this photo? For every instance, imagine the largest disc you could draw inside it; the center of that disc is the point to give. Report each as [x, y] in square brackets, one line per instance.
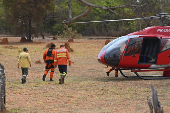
[24, 58]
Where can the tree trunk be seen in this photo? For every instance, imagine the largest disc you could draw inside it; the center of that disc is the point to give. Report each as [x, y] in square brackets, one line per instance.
[155, 105]
[29, 31]
[2, 89]
[41, 32]
[70, 10]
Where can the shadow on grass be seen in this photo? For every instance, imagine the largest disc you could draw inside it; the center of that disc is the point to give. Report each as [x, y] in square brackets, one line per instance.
[134, 78]
[117, 79]
[105, 79]
[102, 79]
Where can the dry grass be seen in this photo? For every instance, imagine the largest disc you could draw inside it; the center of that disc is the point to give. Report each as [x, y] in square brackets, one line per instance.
[87, 89]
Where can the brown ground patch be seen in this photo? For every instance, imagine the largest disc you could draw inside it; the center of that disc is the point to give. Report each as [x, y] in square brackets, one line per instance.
[23, 39]
[70, 40]
[107, 41]
[4, 41]
[67, 46]
[11, 47]
[87, 89]
[38, 62]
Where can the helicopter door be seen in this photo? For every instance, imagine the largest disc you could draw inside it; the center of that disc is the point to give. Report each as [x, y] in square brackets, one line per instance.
[132, 53]
[164, 55]
[150, 50]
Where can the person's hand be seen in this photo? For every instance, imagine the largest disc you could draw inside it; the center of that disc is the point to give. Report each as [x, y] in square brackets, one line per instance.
[55, 66]
[69, 62]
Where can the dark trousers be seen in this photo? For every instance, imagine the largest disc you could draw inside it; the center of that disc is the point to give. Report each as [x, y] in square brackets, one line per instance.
[24, 72]
[62, 69]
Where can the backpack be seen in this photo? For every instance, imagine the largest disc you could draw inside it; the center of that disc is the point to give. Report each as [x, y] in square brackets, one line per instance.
[49, 53]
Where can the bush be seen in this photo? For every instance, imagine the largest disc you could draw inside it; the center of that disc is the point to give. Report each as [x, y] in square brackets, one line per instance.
[69, 33]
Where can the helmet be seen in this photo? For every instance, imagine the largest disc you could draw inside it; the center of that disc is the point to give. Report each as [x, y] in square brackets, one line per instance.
[52, 45]
[25, 49]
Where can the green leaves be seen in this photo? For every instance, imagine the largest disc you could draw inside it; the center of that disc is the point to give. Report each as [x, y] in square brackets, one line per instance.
[27, 14]
[21, 13]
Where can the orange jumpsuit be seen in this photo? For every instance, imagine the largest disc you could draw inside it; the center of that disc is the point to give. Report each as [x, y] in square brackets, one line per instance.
[48, 57]
[111, 69]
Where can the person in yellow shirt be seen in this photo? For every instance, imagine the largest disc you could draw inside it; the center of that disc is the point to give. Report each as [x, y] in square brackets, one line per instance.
[24, 59]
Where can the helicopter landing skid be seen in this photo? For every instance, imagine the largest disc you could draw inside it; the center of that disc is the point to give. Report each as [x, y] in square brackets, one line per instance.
[144, 77]
[125, 75]
[151, 77]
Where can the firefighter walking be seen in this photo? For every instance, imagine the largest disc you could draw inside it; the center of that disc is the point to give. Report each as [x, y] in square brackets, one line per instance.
[24, 59]
[111, 69]
[48, 57]
[61, 58]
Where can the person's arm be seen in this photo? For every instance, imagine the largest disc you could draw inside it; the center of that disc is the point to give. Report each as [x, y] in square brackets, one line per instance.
[44, 55]
[55, 59]
[19, 60]
[29, 60]
[68, 57]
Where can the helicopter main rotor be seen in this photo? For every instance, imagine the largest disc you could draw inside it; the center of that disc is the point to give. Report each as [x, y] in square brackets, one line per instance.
[160, 16]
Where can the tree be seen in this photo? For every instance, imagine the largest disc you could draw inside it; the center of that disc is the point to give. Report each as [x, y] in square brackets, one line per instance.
[90, 6]
[4, 27]
[27, 16]
[118, 9]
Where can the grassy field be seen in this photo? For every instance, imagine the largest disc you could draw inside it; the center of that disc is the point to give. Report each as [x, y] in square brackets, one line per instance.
[87, 89]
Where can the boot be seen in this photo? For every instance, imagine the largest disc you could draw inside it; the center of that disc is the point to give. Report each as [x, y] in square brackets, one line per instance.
[107, 73]
[44, 77]
[60, 81]
[116, 73]
[51, 79]
[23, 80]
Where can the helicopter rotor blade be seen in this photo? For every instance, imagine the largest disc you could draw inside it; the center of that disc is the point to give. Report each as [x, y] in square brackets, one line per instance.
[167, 17]
[152, 17]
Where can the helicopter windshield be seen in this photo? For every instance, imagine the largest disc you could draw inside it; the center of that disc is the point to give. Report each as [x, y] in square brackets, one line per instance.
[114, 49]
[117, 41]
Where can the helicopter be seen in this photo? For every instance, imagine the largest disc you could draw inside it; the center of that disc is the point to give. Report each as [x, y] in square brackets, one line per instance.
[142, 51]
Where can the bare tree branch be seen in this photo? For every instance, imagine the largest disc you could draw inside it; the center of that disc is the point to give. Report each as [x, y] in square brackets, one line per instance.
[90, 6]
[70, 9]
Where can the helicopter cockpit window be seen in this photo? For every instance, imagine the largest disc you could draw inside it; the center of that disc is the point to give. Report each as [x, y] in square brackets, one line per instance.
[134, 46]
[113, 43]
[165, 44]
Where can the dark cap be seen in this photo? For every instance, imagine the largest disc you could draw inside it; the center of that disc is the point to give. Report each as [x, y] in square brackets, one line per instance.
[25, 49]
[62, 46]
[52, 45]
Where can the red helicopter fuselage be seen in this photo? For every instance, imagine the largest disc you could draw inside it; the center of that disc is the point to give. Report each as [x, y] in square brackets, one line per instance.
[145, 49]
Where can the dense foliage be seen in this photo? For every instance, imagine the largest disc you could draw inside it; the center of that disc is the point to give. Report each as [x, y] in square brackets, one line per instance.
[26, 16]
[19, 13]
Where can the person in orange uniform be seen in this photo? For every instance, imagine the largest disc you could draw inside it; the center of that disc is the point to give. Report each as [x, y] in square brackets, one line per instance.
[62, 56]
[48, 57]
[111, 69]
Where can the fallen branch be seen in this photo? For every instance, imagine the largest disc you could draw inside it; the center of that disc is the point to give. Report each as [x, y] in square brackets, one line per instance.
[154, 106]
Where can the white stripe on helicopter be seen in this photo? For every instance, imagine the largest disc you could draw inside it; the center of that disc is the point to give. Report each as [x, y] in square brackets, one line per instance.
[153, 66]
